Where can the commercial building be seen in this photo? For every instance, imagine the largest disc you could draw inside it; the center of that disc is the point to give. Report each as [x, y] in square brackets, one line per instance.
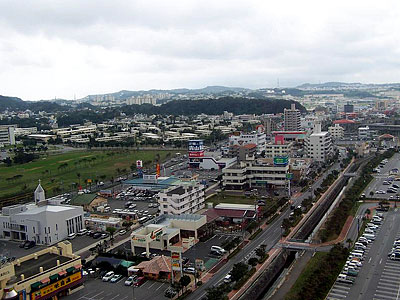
[184, 199]
[257, 137]
[47, 274]
[348, 108]
[242, 152]
[7, 136]
[291, 136]
[232, 213]
[261, 172]
[364, 133]
[291, 118]
[166, 231]
[319, 144]
[336, 131]
[278, 147]
[159, 268]
[40, 222]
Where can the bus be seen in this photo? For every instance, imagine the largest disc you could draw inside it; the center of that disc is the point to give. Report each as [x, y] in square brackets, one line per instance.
[143, 220]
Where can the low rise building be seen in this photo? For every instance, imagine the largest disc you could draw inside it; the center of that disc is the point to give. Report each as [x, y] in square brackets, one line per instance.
[47, 274]
[40, 222]
[364, 133]
[261, 172]
[184, 199]
[256, 137]
[166, 231]
[7, 136]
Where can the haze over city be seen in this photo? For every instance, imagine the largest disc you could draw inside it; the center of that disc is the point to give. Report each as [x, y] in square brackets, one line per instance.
[71, 49]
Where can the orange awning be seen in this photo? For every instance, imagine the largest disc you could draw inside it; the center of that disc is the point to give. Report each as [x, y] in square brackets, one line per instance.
[44, 281]
[78, 267]
[62, 273]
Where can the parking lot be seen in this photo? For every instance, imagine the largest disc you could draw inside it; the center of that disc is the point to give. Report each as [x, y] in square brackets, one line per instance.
[377, 184]
[96, 289]
[12, 249]
[379, 276]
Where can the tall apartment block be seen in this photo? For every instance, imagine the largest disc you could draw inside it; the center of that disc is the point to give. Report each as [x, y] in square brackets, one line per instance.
[292, 118]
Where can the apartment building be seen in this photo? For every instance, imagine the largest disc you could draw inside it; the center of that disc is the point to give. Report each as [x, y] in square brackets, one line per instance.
[256, 137]
[336, 131]
[183, 199]
[292, 118]
[319, 144]
[262, 172]
[7, 136]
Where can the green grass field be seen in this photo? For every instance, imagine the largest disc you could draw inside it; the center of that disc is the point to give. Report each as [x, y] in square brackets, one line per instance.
[230, 199]
[59, 173]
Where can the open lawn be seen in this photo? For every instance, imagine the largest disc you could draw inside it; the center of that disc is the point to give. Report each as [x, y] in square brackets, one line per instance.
[64, 172]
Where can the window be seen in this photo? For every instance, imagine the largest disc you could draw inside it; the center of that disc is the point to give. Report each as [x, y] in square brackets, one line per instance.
[33, 229]
[56, 227]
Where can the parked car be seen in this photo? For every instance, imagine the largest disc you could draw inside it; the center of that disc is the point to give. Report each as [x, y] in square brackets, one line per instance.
[96, 235]
[189, 270]
[29, 245]
[130, 280]
[140, 281]
[108, 276]
[22, 245]
[122, 232]
[116, 278]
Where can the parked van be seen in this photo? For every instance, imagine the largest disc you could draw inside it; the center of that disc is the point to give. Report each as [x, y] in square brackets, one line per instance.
[358, 244]
[395, 256]
[358, 255]
[369, 236]
[359, 251]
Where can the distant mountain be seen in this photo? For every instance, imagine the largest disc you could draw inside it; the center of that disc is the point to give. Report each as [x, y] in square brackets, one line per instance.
[125, 94]
[332, 84]
[10, 103]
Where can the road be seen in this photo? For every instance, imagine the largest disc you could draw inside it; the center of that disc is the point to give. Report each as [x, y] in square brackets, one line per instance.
[379, 277]
[270, 236]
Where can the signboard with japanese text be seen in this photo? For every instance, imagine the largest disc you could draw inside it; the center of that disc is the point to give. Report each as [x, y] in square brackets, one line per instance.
[58, 285]
[176, 261]
[196, 148]
[281, 160]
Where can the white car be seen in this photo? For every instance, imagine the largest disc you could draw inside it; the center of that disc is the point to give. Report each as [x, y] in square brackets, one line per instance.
[122, 232]
[82, 231]
[108, 276]
[380, 192]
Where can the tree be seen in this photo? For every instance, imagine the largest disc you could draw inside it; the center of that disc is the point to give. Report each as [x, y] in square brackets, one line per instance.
[215, 293]
[349, 242]
[111, 231]
[184, 281]
[79, 178]
[238, 271]
[253, 261]
[371, 193]
[260, 251]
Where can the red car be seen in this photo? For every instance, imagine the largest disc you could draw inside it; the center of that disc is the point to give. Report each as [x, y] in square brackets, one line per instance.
[140, 281]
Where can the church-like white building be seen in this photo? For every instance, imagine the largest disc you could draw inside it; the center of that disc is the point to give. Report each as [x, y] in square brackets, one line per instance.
[41, 222]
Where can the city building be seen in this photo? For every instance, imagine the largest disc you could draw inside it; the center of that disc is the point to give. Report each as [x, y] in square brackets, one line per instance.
[7, 136]
[319, 144]
[261, 172]
[40, 222]
[336, 131]
[159, 268]
[257, 137]
[232, 213]
[50, 273]
[242, 152]
[364, 133]
[184, 199]
[278, 147]
[348, 108]
[167, 230]
[291, 118]
[291, 136]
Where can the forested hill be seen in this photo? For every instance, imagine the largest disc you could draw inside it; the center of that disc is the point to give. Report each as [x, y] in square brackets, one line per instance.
[10, 103]
[215, 107]
[15, 103]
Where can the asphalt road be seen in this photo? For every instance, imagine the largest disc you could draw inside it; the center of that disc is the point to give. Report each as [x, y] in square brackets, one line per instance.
[379, 277]
[270, 236]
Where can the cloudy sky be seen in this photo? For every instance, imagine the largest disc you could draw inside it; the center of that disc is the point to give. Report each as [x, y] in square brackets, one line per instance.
[64, 48]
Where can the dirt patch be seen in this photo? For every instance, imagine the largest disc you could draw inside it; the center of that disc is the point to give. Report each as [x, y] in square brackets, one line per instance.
[64, 161]
[33, 169]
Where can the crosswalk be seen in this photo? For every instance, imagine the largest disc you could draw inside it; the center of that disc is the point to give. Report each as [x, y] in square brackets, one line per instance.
[389, 282]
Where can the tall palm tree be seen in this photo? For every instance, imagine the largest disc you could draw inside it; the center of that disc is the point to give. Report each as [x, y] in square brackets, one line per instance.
[79, 178]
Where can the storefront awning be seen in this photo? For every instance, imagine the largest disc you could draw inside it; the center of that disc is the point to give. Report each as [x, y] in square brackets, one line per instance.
[35, 285]
[54, 277]
[62, 273]
[44, 281]
[70, 269]
[78, 267]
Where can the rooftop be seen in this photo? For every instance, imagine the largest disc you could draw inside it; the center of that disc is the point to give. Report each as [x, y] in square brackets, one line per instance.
[83, 199]
[31, 267]
[47, 208]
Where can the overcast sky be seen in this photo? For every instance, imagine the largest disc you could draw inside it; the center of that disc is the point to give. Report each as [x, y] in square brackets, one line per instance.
[64, 48]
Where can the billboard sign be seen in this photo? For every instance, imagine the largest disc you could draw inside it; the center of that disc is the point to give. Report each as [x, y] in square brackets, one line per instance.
[158, 170]
[176, 260]
[57, 286]
[196, 148]
[150, 178]
[289, 176]
[139, 164]
[281, 160]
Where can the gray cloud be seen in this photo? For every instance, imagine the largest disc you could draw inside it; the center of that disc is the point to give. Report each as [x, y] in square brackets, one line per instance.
[64, 48]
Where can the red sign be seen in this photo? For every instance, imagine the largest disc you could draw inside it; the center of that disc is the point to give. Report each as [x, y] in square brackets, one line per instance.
[196, 154]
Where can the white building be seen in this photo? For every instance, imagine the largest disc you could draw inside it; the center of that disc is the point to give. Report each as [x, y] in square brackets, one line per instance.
[256, 137]
[255, 173]
[292, 118]
[364, 133]
[182, 199]
[336, 131]
[40, 222]
[273, 149]
[7, 136]
[319, 144]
